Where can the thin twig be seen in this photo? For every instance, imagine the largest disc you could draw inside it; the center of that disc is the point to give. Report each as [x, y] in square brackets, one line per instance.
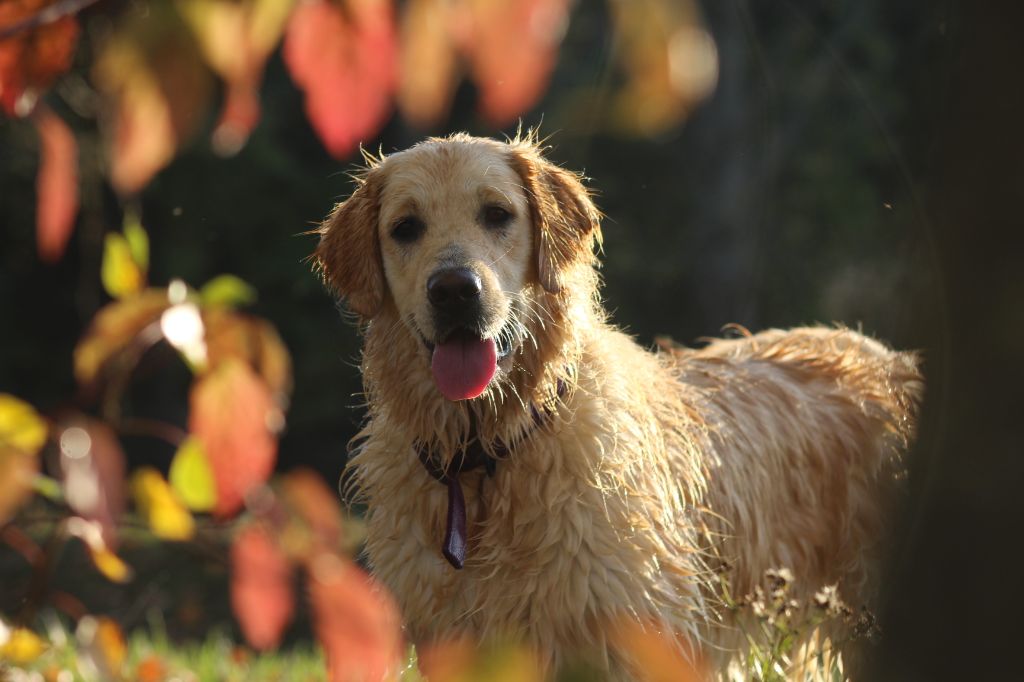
[154, 428]
[47, 15]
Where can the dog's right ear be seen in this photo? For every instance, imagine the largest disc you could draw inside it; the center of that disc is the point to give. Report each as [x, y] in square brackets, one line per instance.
[348, 255]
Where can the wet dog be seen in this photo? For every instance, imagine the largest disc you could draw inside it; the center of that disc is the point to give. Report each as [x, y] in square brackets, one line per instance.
[531, 472]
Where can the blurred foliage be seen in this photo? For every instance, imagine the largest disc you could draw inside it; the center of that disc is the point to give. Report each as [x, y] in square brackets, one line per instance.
[789, 196]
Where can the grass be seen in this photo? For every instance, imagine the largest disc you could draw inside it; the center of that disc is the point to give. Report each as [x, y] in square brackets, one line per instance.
[154, 658]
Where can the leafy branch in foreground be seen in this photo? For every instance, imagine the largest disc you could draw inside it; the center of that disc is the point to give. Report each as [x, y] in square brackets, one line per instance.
[148, 71]
[222, 465]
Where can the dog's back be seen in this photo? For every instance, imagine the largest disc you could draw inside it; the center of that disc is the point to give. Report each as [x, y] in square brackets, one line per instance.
[807, 428]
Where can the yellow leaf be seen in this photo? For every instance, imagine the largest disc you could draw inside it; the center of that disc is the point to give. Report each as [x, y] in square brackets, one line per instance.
[111, 565]
[227, 290]
[106, 562]
[669, 60]
[220, 31]
[166, 516]
[138, 240]
[192, 477]
[21, 426]
[22, 647]
[120, 274]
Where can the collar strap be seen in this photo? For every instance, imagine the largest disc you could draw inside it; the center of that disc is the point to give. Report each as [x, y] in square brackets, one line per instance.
[473, 457]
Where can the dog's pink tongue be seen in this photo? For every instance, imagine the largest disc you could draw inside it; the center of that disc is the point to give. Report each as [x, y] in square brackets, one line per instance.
[463, 366]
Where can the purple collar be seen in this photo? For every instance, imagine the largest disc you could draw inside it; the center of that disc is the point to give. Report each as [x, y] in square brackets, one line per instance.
[473, 457]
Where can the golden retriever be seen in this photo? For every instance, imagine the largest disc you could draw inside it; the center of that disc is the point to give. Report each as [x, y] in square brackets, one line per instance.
[531, 472]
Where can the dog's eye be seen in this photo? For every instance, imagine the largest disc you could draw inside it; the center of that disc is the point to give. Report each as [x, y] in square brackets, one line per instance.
[496, 216]
[407, 230]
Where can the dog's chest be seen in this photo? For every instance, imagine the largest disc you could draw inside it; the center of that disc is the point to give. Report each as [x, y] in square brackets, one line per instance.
[550, 553]
[532, 540]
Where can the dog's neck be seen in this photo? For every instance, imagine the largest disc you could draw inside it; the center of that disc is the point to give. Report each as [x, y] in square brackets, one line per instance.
[476, 453]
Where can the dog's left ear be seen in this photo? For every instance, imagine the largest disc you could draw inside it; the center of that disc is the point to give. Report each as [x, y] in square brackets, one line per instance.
[565, 221]
[349, 252]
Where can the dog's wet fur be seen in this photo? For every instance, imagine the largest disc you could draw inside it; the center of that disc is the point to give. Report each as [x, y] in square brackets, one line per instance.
[651, 474]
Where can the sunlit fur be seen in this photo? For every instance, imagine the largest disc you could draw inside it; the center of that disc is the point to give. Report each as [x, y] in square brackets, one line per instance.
[651, 471]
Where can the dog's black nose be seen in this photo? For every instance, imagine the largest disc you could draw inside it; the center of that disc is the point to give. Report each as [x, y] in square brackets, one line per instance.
[454, 288]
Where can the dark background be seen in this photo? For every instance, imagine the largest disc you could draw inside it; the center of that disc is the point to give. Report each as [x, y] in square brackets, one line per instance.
[860, 161]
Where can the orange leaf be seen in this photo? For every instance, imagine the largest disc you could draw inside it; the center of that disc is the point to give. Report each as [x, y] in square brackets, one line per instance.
[356, 622]
[261, 587]
[462, 659]
[101, 642]
[232, 335]
[345, 63]
[236, 38]
[670, 62]
[232, 412]
[31, 60]
[17, 471]
[656, 655]
[150, 669]
[151, 72]
[428, 62]
[114, 329]
[56, 184]
[512, 46]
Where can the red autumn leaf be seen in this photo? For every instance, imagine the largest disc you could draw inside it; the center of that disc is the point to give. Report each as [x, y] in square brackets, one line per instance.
[512, 46]
[93, 467]
[355, 621]
[345, 62]
[56, 184]
[31, 59]
[261, 587]
[232, 413]
[315, 503]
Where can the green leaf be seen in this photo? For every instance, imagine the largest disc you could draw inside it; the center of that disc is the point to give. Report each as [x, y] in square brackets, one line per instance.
[227, 290]
[48, 488]
[192, 477]
[119, 272]
[138, 241]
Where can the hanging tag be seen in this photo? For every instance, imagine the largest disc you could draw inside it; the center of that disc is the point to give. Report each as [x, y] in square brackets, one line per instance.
[454, 548]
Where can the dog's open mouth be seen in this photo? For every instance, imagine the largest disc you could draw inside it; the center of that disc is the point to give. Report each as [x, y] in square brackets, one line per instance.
[463, 364]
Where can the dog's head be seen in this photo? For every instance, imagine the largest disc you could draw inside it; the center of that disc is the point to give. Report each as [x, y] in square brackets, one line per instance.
[462, 238]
